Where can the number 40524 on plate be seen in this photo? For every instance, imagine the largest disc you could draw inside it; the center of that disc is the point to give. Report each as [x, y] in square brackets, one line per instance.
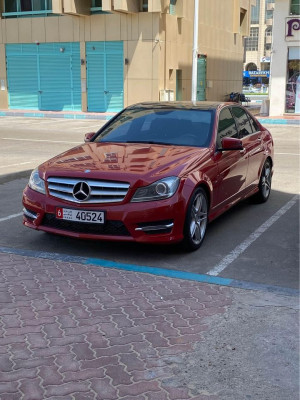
[96, 217]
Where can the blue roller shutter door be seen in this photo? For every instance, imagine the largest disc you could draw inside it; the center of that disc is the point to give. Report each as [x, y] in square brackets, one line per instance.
[60, 76]
[53, 84]
[105, 76]
[22, 72]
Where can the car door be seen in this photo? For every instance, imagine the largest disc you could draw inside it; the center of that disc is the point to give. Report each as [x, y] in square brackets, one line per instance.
[232, 164]
[251, 137]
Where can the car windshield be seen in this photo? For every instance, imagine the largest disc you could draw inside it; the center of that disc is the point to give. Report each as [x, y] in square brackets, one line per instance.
[179, 127]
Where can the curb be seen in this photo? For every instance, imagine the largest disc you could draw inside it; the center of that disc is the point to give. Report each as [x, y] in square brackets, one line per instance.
[108, 116]
[169, 273]
[277, 121]
[62, 115]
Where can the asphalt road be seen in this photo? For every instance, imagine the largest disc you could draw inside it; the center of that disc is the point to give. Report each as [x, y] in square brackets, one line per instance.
[254, 243]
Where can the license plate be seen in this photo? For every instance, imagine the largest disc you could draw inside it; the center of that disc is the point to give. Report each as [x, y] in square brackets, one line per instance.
[94, 217]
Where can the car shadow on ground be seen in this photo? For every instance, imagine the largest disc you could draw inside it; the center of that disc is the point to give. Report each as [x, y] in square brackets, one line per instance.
[234, 225]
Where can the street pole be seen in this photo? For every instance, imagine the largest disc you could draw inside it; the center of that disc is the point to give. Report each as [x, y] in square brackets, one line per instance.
[195, 52]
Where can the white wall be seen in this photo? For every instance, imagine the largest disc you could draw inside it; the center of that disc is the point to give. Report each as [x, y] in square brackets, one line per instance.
[279, 59]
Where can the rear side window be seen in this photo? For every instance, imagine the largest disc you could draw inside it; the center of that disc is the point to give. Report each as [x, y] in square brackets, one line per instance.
[243, 122]
[226, 127]
[254, 124]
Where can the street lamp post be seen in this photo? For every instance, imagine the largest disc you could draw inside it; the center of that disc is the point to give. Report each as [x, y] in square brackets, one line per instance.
[195, 52]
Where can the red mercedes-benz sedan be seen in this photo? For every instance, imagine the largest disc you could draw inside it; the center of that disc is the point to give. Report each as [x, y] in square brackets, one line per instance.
[155, 173]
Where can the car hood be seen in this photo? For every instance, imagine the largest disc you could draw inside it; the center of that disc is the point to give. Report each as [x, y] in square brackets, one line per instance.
[124, 162]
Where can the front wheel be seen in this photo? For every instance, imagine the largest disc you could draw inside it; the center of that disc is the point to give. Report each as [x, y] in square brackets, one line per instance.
[195, 220]
[264, 187]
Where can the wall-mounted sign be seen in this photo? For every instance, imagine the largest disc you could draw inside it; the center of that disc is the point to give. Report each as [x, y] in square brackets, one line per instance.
[256, 74]
[265, 59]
[292, 29]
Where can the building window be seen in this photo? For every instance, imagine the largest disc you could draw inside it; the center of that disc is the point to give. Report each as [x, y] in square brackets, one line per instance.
[295, 7]
[144, 5]
[173, 7]
[252, 41]
[16, 7]
[251, 67]
[269, 11]
[292, 97]
[96, 3]
[255, 13]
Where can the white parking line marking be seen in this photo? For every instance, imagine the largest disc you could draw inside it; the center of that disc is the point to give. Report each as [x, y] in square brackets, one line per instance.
[287, 154]
[10, 217]
[14, 165]
[235, 253]
[42, 140]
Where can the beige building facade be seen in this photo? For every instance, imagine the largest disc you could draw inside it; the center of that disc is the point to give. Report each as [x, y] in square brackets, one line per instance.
[104, 55]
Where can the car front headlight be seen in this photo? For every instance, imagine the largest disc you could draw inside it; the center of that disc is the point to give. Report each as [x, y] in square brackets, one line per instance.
[36, 183]
[159, 190]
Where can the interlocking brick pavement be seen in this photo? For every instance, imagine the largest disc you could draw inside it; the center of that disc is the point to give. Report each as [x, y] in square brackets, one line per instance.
[81, 332]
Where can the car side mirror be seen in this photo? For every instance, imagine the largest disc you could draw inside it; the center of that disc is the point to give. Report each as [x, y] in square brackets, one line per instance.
[88, 136]
[229, 143]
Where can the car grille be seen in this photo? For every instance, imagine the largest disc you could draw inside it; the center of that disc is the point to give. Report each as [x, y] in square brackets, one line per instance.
[100, 191]
[113, 228]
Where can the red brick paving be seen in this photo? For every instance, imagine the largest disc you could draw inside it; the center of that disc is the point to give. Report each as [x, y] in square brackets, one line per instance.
[75, 332]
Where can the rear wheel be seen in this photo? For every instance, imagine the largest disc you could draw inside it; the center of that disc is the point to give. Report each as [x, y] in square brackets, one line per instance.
[264, 187]
[195, 220]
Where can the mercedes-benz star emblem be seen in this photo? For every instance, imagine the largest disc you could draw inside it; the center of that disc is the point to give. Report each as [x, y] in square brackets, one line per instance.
[81, 191]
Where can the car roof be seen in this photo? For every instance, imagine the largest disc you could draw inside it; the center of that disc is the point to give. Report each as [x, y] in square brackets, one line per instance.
[198, 105]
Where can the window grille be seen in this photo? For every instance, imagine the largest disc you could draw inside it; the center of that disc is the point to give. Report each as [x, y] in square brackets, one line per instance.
[252, 41]
[295, 7]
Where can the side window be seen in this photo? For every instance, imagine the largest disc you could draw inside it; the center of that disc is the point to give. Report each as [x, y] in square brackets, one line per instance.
[227, 126]
[242, 121]
[253, 123]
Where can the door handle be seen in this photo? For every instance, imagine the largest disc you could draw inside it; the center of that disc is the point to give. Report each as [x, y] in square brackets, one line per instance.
[106, 91]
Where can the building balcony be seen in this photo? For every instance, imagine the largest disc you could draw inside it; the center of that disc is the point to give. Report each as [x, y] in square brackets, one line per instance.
[268, 40]
[267, 53]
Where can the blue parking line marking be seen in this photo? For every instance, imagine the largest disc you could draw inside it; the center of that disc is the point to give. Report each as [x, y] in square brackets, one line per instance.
[170, 273]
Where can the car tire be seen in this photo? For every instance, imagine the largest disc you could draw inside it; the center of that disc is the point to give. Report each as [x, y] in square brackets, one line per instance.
[264, 186]
[195, 220]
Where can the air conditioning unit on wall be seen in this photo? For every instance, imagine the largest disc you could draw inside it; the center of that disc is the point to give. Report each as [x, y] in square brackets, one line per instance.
[166, 95]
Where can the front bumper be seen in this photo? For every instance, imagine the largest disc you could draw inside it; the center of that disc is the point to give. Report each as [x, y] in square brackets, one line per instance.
[146, 222]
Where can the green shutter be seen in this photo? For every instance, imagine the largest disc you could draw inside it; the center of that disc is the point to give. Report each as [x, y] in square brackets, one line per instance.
[201, 79]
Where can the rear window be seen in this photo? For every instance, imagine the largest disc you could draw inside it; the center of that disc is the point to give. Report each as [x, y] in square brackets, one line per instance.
[161, 126]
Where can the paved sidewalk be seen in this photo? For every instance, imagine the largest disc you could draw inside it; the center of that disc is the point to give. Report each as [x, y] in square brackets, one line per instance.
[81, 332]
[75, 332]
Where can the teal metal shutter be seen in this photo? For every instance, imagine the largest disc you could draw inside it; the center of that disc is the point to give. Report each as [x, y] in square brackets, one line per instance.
[201, 79]
[95, 64]
[60, 76]
[105, 76]
[44, 76]
[22, 76]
